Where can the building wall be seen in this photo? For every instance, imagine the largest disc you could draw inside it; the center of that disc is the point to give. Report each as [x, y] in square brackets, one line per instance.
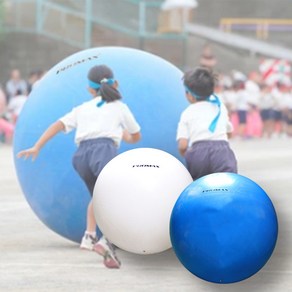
[28, 51]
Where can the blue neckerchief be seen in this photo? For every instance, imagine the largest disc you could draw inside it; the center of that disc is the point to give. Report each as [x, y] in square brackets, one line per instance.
[213, 99]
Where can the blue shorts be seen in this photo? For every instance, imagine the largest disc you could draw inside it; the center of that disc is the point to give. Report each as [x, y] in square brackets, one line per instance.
[206, 157]
[288, 118]
[242, 116]
[91, 157]
[267, 114]
[278, 115]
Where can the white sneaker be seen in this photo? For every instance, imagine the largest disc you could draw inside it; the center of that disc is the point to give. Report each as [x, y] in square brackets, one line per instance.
[104, 248]
[88, 242]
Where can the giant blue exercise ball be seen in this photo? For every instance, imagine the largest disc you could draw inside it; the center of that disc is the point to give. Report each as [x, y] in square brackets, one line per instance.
[150, 86]
[223, 228]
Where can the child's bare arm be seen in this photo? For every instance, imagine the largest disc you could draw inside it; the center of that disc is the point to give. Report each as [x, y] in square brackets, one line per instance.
[45, 137]
[183, 146]
[131, 138]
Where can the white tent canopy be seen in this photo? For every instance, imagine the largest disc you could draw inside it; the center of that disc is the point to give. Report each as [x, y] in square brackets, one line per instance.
[172, 4]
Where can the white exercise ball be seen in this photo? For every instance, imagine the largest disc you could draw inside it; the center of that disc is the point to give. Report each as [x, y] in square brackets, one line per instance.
[134, 196]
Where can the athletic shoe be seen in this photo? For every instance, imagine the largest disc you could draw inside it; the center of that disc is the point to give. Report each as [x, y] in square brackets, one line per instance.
[104, 248]
[88, 242]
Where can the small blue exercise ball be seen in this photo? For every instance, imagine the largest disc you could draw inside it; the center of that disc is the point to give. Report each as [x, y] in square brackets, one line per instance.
[223, 228]
[150, 86]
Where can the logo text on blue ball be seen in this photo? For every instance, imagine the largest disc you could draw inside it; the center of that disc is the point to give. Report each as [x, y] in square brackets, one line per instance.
[215, 190]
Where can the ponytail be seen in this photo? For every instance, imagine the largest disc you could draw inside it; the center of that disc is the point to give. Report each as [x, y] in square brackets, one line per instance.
[101, 78]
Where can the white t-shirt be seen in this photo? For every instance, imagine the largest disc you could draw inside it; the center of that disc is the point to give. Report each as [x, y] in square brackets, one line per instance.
[196, 119]
[267, 101]
[106, 121]
[287, 100]
[16, 104]
[253, 91]
[242, 100]
[229, 99]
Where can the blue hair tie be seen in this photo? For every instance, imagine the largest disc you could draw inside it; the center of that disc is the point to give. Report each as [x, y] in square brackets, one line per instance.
[109, 81]
[213, 99]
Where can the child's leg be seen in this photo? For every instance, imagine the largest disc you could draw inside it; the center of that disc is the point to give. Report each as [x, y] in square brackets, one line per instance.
[89, 166]
[242, 117]
[91, 225]
[81, 165]
[89, 239]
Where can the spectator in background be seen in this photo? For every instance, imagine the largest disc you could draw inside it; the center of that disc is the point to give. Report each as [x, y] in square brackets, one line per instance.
[289, 114]
[229, 99]
[252, 86]
[15, 106]
[208, 59]
[266, 106]
[242, 106]
[228, 94]
[34, 76]
[14, 84]
[287, 109]
[253, 89]
[6, 128]
[2, 102]
[279, 109]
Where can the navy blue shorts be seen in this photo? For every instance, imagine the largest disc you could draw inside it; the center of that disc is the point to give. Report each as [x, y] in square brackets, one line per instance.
[242, 116]
[288, 118]
[278, 115]
[206, 157]
[91, 157]
[267, 114]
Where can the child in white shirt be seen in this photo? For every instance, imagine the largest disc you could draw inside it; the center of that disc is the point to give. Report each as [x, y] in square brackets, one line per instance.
[100, 124]
[203, 127]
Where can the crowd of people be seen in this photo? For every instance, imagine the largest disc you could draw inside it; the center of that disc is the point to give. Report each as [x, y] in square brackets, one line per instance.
[256, 109]
[13, 95]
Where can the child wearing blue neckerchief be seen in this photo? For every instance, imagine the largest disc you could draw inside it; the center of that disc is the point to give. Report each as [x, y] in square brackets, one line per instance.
[202, 133]
[100, 123]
